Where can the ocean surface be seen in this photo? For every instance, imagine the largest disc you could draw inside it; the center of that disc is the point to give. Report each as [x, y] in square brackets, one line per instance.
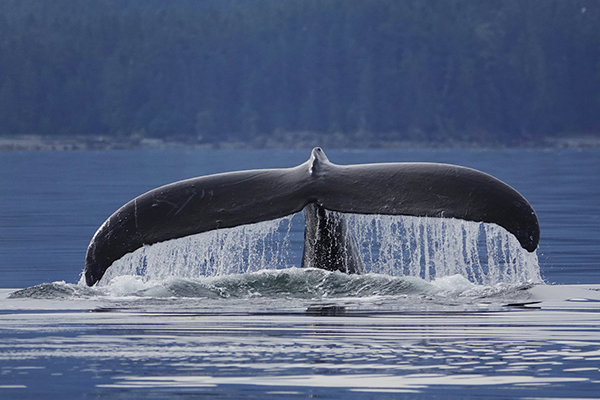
[447, 309]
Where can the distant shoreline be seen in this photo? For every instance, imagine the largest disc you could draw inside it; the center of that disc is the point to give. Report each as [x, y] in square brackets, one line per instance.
[293, 141]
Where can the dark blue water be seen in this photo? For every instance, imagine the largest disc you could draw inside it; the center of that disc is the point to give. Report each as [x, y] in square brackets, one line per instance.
[51, 203]
[294, 333]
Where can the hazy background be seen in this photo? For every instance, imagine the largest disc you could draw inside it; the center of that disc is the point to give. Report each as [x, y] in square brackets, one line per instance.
[278, 72]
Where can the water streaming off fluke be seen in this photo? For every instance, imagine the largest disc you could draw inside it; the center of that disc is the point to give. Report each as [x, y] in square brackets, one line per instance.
[427, 248]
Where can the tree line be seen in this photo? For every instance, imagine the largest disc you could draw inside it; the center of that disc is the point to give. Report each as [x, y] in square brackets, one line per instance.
[510, 72]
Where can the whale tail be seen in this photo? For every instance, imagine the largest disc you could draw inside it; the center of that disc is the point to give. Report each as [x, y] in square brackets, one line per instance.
[324, 190]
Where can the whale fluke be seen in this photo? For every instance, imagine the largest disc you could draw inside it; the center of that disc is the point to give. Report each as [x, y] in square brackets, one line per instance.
[238, 198]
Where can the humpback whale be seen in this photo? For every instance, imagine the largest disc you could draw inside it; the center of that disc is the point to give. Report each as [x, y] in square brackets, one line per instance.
[324, 191]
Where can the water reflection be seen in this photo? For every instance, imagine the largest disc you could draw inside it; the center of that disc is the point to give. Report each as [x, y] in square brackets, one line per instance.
[313, 349]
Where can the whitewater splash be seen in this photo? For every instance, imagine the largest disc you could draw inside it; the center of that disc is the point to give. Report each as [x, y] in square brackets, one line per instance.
[426, 248]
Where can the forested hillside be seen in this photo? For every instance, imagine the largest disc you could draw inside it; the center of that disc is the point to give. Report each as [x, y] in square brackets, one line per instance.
[508, 71]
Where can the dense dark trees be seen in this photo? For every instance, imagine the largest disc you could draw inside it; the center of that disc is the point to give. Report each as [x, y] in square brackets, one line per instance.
[506, 71]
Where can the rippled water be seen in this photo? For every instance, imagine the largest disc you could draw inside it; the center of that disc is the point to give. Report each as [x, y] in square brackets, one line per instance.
[255, 336]
[430, 319]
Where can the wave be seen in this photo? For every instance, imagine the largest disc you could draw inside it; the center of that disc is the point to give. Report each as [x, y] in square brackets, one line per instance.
[293, 283]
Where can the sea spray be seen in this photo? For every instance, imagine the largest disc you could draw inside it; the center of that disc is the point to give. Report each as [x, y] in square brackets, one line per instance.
[426, 248]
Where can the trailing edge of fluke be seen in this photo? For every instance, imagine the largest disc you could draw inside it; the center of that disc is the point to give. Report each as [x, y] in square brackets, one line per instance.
[237, 198]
